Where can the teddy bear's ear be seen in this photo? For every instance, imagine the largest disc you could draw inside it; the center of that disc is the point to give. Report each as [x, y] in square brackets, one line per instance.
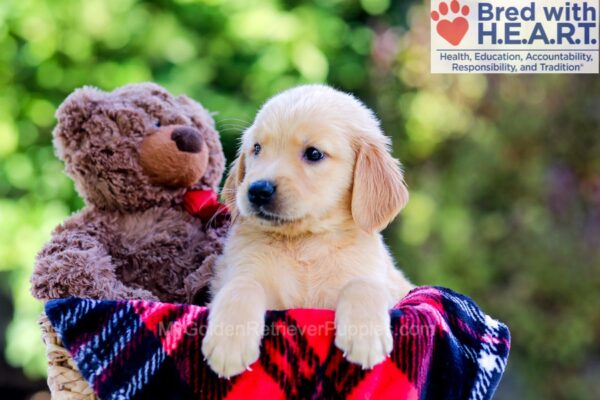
[72, 114]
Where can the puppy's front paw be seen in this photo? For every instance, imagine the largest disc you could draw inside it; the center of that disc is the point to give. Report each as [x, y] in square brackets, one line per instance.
[229, 349]
[364, 341]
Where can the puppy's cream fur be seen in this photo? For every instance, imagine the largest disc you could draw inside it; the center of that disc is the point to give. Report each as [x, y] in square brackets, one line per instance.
[320, 246]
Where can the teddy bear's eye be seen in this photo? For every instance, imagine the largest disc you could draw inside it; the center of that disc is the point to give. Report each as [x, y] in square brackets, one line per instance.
[157, 123]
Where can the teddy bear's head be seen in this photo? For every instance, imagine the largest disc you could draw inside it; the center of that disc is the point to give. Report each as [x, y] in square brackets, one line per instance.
[137, 147]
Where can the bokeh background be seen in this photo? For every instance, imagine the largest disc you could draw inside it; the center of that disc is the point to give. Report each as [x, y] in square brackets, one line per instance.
[504, 171]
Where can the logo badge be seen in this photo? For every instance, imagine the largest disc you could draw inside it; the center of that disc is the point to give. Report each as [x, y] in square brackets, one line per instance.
[514, 36]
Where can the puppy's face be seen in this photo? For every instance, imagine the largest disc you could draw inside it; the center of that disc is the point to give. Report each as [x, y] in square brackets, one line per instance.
[300, 161]
[298, 170]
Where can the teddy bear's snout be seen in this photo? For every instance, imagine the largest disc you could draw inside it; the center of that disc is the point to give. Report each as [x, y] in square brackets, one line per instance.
[174, 156]
[187, 139]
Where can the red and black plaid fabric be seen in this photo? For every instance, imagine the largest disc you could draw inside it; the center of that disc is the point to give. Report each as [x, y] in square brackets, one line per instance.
[445, 348]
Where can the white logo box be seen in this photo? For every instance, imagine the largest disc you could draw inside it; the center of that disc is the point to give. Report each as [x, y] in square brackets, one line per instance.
[512, 36]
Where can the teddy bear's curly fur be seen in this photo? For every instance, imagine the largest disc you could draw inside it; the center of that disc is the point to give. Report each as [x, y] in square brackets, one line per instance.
[133, 153]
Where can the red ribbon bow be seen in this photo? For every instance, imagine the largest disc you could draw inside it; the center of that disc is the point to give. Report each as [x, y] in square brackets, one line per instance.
[205, 205]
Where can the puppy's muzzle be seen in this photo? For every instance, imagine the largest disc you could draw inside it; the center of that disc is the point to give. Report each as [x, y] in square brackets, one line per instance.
[261, 193]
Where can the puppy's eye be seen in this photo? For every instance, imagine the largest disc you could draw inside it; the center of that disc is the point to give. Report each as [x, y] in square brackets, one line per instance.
[313, 154]
[256, 149]
[157, 123]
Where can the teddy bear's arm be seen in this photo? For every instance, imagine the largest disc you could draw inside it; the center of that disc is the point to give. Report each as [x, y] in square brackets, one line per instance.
[197, 283]
[75, 263]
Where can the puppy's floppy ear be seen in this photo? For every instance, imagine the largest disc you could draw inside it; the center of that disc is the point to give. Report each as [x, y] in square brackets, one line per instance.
[234, 178]
[379, 191]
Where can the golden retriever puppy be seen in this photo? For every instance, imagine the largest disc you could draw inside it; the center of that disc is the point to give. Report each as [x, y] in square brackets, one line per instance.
[313, 186]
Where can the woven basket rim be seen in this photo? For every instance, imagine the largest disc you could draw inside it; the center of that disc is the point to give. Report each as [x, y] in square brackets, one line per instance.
[64, 379]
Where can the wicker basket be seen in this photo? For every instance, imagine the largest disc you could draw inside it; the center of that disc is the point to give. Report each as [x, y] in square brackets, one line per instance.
[64, 379]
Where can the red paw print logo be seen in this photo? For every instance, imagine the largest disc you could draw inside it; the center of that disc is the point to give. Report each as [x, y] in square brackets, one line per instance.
[451, 30]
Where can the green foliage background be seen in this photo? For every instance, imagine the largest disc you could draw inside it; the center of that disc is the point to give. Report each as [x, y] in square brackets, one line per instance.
[504, 170]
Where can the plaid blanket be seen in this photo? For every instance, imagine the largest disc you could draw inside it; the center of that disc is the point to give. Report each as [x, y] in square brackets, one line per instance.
[445, 348]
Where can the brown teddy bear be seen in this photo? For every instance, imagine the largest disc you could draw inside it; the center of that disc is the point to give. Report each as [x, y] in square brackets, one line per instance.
[144, 161]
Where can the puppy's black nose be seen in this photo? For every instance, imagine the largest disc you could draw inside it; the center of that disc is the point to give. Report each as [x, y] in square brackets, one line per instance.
[261, 193]
[187, 139]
